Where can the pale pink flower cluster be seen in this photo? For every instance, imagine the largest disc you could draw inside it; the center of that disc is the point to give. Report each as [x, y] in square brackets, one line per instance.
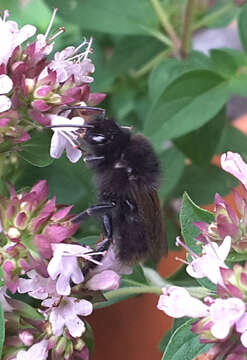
[40, 258]
[38, 89]
[223, 317]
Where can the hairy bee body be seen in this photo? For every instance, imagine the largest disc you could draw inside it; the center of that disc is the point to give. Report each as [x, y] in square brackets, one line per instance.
[127, 175]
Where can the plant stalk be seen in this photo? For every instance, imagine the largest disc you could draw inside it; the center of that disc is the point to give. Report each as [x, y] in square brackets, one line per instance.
[212, 17]
[187, 27]
[167, 26]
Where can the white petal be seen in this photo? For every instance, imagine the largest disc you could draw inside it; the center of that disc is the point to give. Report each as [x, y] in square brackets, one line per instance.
[6, 84]
[244, 339]
[73, 154]
[77, 276]
[24, 33]
[58, 143]
[54, 266]
[220, 330]
[75, 326]
[63, 285]
[225, 248]
[82, 307]
[57, 322]
[5, 103]
[61, 120]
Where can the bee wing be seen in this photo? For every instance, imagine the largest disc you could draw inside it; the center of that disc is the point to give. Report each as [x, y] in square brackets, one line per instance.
[149, 208]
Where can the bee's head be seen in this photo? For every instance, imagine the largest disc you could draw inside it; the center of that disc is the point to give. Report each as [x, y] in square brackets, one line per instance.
[105, 137]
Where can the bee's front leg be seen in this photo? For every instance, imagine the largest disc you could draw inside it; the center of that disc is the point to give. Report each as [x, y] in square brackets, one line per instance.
[95, 210]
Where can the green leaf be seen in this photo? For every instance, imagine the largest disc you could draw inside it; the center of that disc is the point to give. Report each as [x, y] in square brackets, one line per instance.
[169, 70]
[201, 144]
[228, 10]
[110, 16]
[203, 182]
[34, 12]
[26, 310]
[127, 56]
[36, 151]
[189, 214]
[172, 166]
[162, 76]
[62, 175]
[2, 329]
[232, 139]
[88, 337]
[184, 344]
[179, 110]
[182, 278]
[235, 257]
[242, 27]
[223, 62]
[176, 324]
[136, 278]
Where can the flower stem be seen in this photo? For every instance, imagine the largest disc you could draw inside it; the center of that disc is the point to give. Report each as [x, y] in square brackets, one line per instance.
[133, 290]
[213, 16]
[158, 35]
[151, 64]
[187, 27]
[167, 26]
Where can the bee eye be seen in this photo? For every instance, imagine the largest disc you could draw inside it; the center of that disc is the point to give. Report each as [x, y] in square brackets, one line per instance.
[99, 139]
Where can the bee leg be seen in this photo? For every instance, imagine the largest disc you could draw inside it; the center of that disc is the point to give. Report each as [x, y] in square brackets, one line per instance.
[103, 245]
[95, 210]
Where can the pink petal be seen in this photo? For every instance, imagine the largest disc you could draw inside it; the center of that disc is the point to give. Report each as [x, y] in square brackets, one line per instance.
[39, 117]
[61, 214]
[106, 280]
[96, 98]
[4, 122]
[41, 188]
[40, 105]
[43, 91]
[234, 164]
[23, 137]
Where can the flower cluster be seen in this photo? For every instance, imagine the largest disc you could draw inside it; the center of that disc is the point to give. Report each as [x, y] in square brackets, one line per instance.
[227, 222]
[223, 315]
[34, 89]
[40, 258]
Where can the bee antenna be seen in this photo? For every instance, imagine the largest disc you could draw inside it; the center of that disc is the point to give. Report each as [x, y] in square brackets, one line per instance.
[86, 126]
[84, 107]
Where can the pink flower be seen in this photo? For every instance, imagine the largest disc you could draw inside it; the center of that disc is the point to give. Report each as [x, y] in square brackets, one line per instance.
[234, 164]
[3, 299]
[64, 138]
[209, 263]
[31, 223]
[68, 62]
[12, 37]
[37, 286]
[105, 280]
[241, 327]
[38, 351]
[6, 85]
[177, 302]
[64, 266]
[66, 314]
[111, 262]
[224, 313]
